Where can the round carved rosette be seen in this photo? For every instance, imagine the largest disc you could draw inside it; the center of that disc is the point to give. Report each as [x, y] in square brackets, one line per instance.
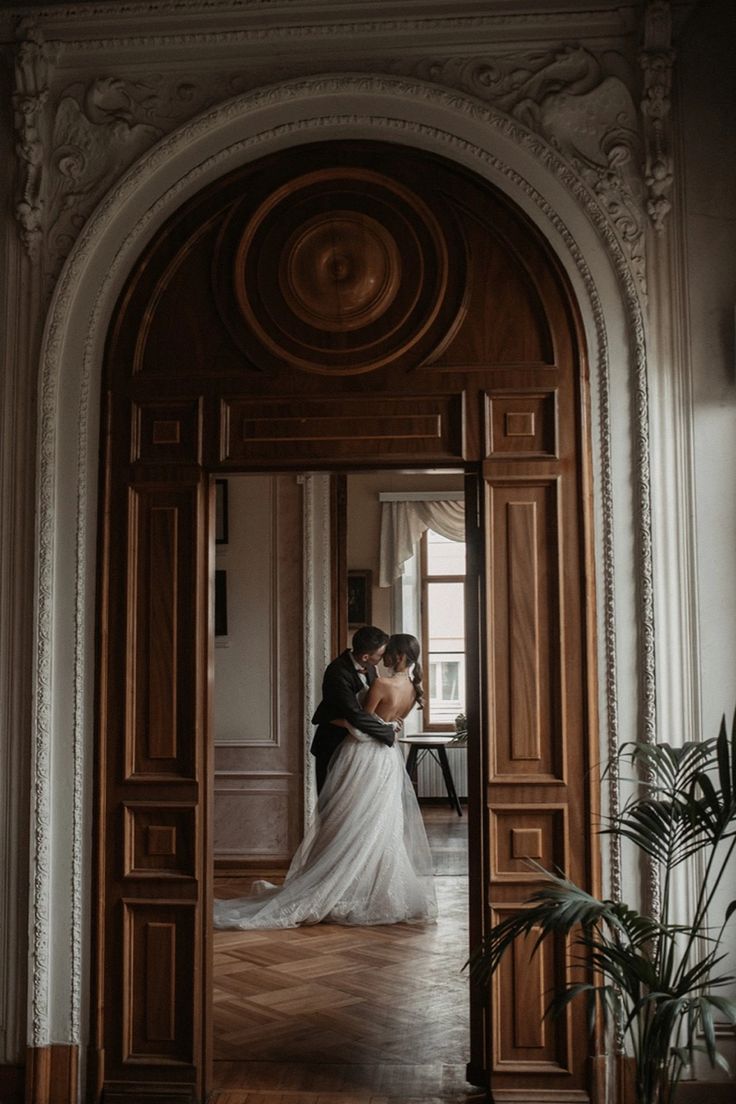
[340, 271]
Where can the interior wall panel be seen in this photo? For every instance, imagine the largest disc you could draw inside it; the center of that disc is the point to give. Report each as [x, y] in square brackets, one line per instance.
[528, 643]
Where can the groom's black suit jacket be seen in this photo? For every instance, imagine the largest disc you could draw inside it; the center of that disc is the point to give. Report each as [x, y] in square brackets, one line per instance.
[340, 686]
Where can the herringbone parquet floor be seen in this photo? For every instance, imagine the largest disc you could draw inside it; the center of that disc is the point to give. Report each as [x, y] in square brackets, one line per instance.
[333, 1015]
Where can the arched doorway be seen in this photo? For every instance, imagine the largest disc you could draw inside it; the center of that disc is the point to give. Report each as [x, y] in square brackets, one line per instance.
[356, 304]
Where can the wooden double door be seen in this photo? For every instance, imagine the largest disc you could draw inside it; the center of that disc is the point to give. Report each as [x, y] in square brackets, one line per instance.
[337, 307]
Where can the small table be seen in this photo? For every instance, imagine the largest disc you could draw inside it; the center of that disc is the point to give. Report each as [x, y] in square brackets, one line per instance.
[434, 744]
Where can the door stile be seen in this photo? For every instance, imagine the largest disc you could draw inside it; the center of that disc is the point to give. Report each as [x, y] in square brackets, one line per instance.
[206, 649]
[153, 710]
[536, 782]
[476, 697]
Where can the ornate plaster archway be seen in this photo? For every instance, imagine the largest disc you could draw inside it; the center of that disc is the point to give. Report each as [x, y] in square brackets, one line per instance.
[249, 126]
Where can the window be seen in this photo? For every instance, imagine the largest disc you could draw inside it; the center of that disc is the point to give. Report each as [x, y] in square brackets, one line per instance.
[443, 630]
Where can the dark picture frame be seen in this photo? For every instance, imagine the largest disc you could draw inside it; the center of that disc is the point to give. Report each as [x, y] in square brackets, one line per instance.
[360, 586]
[220, 602]
[221, 512]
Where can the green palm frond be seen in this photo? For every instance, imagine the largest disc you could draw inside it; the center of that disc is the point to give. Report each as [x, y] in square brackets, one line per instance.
[653, 981]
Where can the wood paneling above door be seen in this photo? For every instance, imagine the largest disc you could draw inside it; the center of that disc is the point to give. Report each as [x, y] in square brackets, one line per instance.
[347, 305]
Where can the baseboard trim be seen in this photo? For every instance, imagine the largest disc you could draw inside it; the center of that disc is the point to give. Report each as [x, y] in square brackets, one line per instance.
[146, 1092]
[442, 801]
[539, 1096]
[715, 1092]
[245, 868]
[625, 1080]
[12, 1084]
[52, 1074]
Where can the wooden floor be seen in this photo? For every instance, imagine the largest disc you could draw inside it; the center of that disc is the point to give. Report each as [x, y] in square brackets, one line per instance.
[334, 1015]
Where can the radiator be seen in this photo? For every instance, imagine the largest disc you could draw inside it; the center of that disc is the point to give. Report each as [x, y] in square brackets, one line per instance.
[430, 782]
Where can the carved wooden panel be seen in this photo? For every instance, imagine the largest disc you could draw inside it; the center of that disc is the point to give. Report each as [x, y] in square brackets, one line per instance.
[519, 833]
[385, 426]
[527, 642]
[161, 719]
[166, 432]
[159, 840]
[525, 1042]
[524, 425]
[158, 946]
[340, 271]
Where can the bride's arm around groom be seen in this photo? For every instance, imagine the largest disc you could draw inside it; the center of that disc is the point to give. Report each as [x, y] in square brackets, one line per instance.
[343, 681]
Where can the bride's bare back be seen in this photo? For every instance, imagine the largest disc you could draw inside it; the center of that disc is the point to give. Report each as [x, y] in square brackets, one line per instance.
[391, 698]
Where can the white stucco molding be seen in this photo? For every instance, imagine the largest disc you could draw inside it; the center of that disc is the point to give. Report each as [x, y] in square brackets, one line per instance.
[249, 126]
[242, 20]
[317, 559]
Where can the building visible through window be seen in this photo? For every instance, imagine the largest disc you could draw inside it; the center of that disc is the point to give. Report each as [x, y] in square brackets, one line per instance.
[443, 629]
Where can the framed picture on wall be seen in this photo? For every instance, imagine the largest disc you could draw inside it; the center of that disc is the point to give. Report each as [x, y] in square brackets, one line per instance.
[359, 598]
[221, 528]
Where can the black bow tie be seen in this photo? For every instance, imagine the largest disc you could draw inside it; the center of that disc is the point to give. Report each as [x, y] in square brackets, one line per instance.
[362, 670]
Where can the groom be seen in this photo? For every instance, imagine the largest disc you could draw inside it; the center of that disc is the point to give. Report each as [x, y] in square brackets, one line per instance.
[343, 680]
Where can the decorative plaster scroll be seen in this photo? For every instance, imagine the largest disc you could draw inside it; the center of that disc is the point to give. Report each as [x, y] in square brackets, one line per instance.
[65, 304]
[33, 57]
[99, 129]
[656, 59]
[566, 95]
[101, 126]
[584, 111]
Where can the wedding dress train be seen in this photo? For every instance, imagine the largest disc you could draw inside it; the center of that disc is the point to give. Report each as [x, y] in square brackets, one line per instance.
[366, 860]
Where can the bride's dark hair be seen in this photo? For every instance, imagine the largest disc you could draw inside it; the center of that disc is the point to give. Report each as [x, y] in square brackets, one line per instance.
[402, 644]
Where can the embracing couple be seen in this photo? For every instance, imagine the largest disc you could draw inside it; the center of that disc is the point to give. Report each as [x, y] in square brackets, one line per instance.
[366, 859]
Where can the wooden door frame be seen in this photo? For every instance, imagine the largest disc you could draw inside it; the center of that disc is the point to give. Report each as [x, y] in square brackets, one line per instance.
[445, 404]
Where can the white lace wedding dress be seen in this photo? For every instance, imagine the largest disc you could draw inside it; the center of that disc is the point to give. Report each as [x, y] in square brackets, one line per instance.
[366, 860]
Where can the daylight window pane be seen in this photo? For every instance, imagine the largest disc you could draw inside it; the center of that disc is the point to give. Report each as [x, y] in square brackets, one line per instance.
[446, 617]
[450, 681]
[446, 688]
[444, 557]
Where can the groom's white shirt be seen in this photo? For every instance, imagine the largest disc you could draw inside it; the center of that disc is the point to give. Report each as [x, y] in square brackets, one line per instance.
[360, 671]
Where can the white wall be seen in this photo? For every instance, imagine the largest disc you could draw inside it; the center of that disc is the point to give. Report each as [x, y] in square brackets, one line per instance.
[707, 92]
[259, 677]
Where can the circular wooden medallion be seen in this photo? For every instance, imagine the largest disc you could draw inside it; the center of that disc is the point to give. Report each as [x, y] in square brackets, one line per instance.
[342, 270]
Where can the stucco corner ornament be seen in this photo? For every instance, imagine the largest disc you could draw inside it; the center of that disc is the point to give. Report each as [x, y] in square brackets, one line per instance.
[656, 59]
[100, 127]
[33, 57]
[584, 112]
[576, 102]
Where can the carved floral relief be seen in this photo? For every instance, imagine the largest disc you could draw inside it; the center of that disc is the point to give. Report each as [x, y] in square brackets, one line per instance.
[29, 99]
[585, 112]
[579, 103]
[100, 128]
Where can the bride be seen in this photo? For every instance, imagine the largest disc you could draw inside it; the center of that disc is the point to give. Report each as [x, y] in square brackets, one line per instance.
[366, 859]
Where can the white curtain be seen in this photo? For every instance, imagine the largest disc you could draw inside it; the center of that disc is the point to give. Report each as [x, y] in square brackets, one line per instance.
[402, 524]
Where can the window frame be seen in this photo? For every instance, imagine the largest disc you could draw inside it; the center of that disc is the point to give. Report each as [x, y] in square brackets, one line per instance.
[425, 581]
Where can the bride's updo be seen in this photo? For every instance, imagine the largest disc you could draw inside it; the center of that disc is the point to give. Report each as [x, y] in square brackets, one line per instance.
[402, 644]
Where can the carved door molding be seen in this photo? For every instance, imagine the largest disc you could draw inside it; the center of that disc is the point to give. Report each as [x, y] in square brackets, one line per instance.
[359, 305]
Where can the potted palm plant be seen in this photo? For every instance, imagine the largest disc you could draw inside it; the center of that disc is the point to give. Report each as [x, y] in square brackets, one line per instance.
[661, 981]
